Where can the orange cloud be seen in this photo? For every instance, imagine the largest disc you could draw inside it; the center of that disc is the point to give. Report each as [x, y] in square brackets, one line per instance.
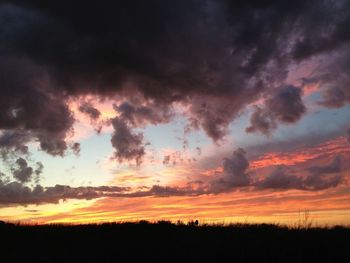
[329, 148]
[310, 89]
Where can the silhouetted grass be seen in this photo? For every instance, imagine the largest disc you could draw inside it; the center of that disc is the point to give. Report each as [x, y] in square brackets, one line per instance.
[167, 242]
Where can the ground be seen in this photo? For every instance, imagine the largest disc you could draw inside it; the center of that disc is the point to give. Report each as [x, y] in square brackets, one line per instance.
[167, 242]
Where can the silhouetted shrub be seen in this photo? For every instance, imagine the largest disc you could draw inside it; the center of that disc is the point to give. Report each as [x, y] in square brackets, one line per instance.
[193, 223]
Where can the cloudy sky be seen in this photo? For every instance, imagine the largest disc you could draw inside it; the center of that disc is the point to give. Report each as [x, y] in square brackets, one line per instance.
[214, 110]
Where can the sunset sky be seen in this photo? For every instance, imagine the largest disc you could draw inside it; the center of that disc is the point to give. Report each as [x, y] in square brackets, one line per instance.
[216, 110]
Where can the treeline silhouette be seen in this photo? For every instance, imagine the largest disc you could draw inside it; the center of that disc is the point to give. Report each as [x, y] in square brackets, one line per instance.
[167, 242]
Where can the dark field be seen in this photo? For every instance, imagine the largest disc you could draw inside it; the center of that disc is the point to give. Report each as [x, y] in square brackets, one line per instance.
[166, 242]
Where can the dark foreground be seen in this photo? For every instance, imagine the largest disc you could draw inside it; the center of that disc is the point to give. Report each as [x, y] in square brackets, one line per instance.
[165, 242]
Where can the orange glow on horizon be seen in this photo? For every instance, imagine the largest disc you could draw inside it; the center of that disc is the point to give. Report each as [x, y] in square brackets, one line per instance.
[326, 207]
[329, 206]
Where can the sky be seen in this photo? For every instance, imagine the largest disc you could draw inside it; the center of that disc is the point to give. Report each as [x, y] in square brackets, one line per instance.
[218, 111]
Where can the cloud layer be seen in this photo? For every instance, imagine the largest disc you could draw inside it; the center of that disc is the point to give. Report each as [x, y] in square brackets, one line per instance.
[285, 106]
[214, 56]
[234, 176]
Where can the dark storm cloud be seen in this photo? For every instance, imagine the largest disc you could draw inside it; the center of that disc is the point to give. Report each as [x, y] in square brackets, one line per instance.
[285, 106]
[215, 56]
[15, 193]
[261, 121]
[235, 168]
[12, 142]
[326, 31]
[333, 167]
[89, 110]
[320, 182]
[128, 144]
[333, 76]
[23, 173]
[319, 178]
[214, 115]
[234, 173]
[140, 115]
[280, 179]
[28, 110]
[325, 176]
[348, 134]
[173, 48]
